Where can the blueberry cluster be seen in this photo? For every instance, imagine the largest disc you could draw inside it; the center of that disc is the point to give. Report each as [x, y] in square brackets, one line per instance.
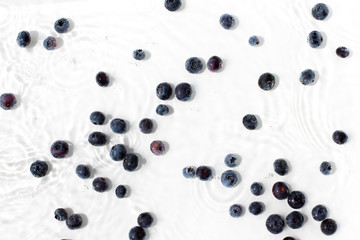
[144, 220]
[73, 221]
[204, 173]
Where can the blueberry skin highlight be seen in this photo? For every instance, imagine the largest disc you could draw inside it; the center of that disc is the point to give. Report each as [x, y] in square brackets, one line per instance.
[7, 101]
[38, 168]
[61, 25]
[320, 11]
[315, 39]
[162, 109]
[139, 54]
[50, 43]
[254, 41]
[100, 184]
[137, 233]
[342, 52]
[183, 91]
[97, 139]
[266, 81]
[102, 79]
[146, 125]
[339, 137]
[204, 173]
[235, 210]
[325, 168]
[130, 162]
[256, 189]
[97, 118]
[157, 148]
[145, 220]
[229, 178]
[118, 125]
[23, 39]
[118, 152]
[74, 221]
[189, 172]
[296, 199]
[83, 171]
[280, 190]
[275, 224]
[328, 226]
[164, 91]
[256, 208]
[193, 65]
[295, 220]
[121, 191]
[172, 5]
[250, 121]
[227, 21]
[319, 213]
[281, 167]
[60, 214]
[307, 77]
[231, 160]
[214, 64]
[59, 149]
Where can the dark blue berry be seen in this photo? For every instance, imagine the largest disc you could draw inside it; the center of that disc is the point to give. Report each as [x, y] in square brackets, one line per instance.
[162, 109]
[139, 54]
[229, 178]
[256, 208]
[118, 152]
[100, 184]
[280, 190]
[145, 220]
[189, 172]
[49, 43]
[102, 79]
[60, 214]
[227, 21]
[275, 224]
[281, 167]
[164, 91]
[289, 238]
[232, 160]
[319, 212]
[342, 52]
[193, 65]
[214, 64]
[204, 173]
[320, 11]
[157, 147]
[38, 168]
[137, 233]
[256, 189]
[296, 199]
[97, 118]
[250, 121]
[235, 210]
[146, 125]
[339, 137]
[97, 139]
[59, 149]
[315, 39]
[325, 168]
[307, 77]
[172, 5]
[83, 171]
[183, 91]
[295, 220]
[7, 101]
[254, 41]
[328, 226]
[266, 81]
[118, 125]
[74, 221]
[130, 162]
[121, 191]
[62, 25]
[23, 39]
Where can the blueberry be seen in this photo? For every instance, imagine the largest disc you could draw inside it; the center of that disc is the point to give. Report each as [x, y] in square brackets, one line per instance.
[83, 171]
[204, 173]
[23, 39]
[320, 11]
[296, 199]
[342, 52]
[162, 109]
[97, 118]
[62, 25]
[229, 178]
[281, 167]
[275, 224]
[130, 162]
[38, 168]
[325, 168]
[97, 139]
[193, 65]
[118, 125]
[250, 121]
[254, 41]
[7, 101]
[145, 220]
[183, 91]
[289, 238]
[227, 21]
[307, 77]
[235, 210]
[74, 221]
[266, 81]
[328, 226]
[60, 214]
[157, 148]
[280, 190]
[256, 208]
[102, 79]
[214, 64]
[256, 189]
[231, 160]
[100, 184]
[139, 54]
[339, 137]
[172, 5]
[164, 91]
[319, 212]
[121, 191]
[59, 149]
[49, 43]
[137, 233]
[118, 152]
[189, 172]
[315, 39]
[146, 125]
[295, 220]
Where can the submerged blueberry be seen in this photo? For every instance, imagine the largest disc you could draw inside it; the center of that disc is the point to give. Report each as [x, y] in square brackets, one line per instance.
[183, 91]
[315, 39]
[281, 167]
[256, 208]
[74, 221]
[118, 125]
[146, 125]
[189, 172]
[250, 121]
[139, 54]
[7, 101]
[100, 184]
[97, 118]
[227, 21]
[121, 191]
[193, 65]
[62, 25]
[118, 152]
[254, 41]
[97, 139]
[204, 173]
[280, 190]
[295, 220]
[235, 210]
[328, 226]
[172, 5]
[59, 149]
[23, 39]
[319, 212]
[60, 214]
[325, 168]
[256, 189]
[49, 43]
[162, 109]
[342, 52]
[102, 79]
[266, 81]
[83, 171]
[307, 77]
[320, 11]
[339, 137]
[229, 178]
[214, 64]
[164, 91]
[38, 168]
[275, 224]
[130, 162]
[157, 148]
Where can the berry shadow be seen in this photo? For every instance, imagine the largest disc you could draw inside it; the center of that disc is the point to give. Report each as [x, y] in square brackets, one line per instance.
[34, 38]
[261, 41]
[171, 110]
[155, 126]
[92, 171]
[69, 211]
[147, 55]
[85, 220]
[167, 147]
[236, 23]
[316, 77]
[260, 124]
[128, 191]
[111, 80]
[72, 24]
[18, 101]
[71, 149]
[107, 118]
[277, 81]
[333, 167]
[50, 167]
[59, 42]
[142, 161]
[183, 3]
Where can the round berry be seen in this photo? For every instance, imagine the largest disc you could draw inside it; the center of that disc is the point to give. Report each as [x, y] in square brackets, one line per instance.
[189, 172]
[7, 101]
[250, 121]
[74, 221]
[319, 212]
[100, 184]
[193, 65]
[256, 208]
[157, 148]
[214, 64]
[307, 77]
[342, 52]
[204, 173]
[339, 137]
[38, 168]
[97, 118]
[320, 11]
[23, 39]
[49, 43]
[183, 91]
[62, 25]
[130, 162]
[254, 41]
[275, 224]
[281, 167]
[256, 189]
[146, 125]
[145, 220]
[227, 21]
[328, 226]
[295, 220]
[266, 81]
[137, 233]
[164, 91]
[59, 149]
[235, 210]
[121, 191]
[97, 139]
[315, 39]
[83, 171]
[60, 214]
[229, 178]
[280, 190]
[172, 5]
[325, 168]
[232, 160]
[139, 54]
[118, 152]
[162, 109]
[102, 79]
[118, 125]
[296, 199]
